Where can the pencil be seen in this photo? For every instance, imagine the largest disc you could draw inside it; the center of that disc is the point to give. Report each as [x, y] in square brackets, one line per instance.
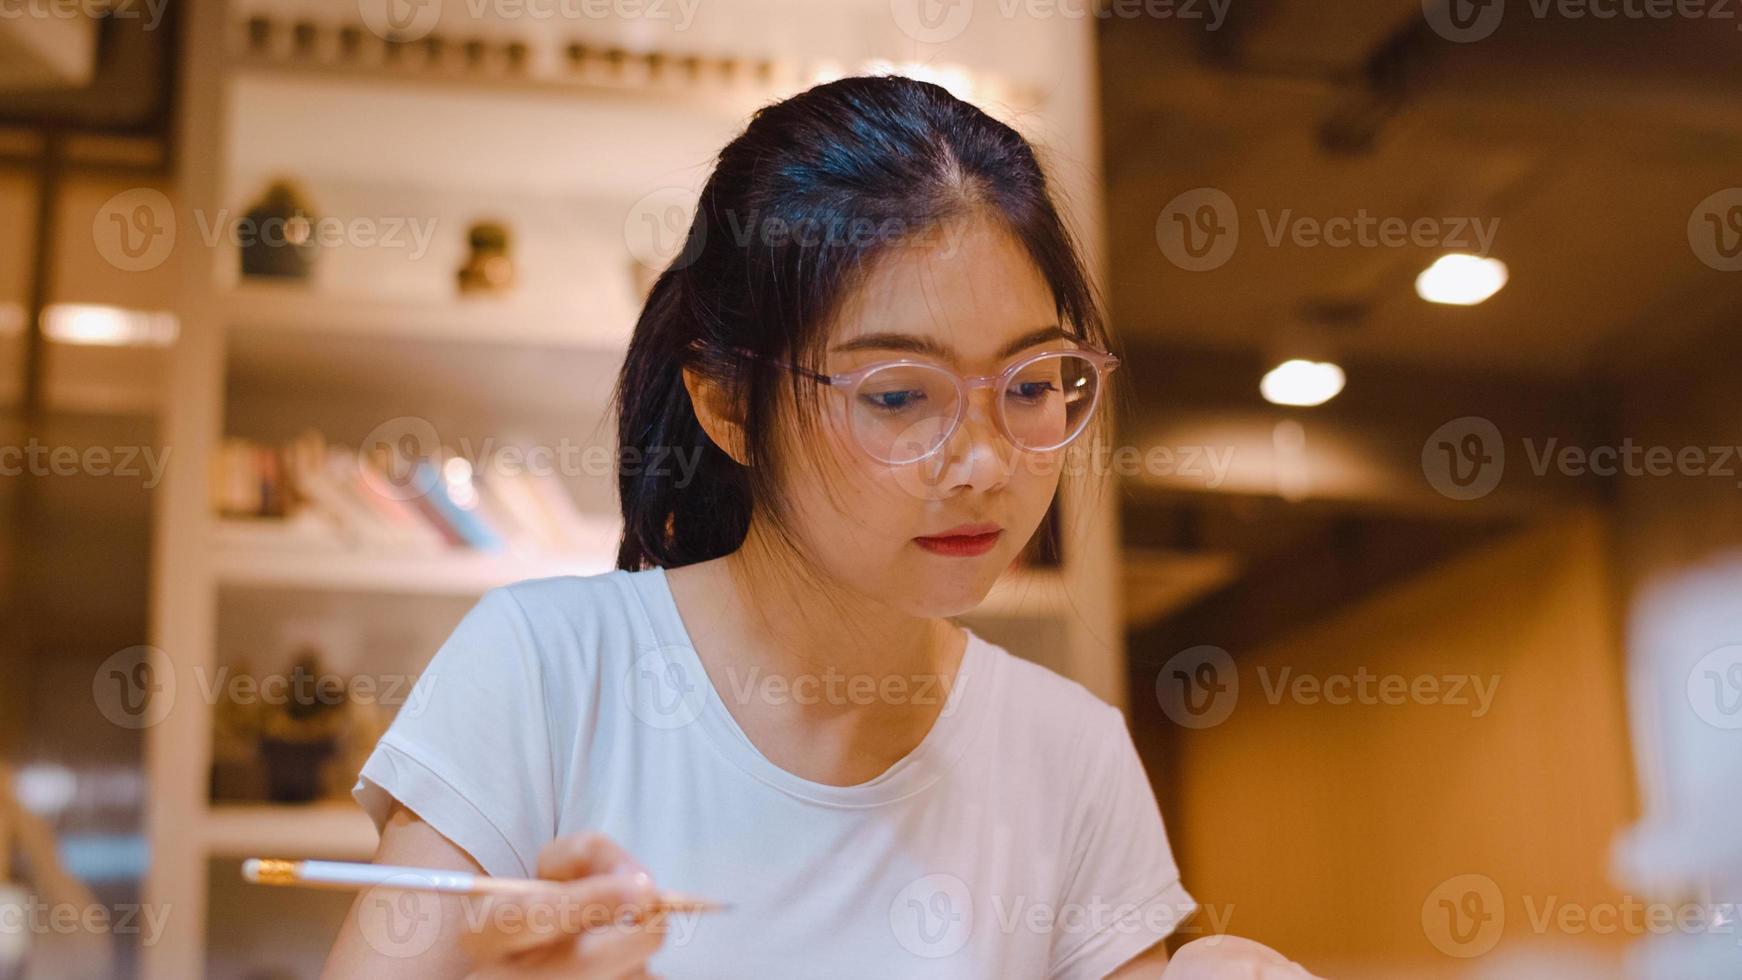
[349, 876]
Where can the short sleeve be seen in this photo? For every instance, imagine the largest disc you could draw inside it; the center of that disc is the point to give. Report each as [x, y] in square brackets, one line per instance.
[1125, 893]
[470, 751]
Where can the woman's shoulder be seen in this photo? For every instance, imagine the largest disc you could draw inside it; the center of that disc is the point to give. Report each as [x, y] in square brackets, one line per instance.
[575, 618]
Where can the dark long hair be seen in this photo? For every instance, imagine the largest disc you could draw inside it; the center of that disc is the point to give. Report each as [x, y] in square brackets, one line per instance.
[796, 210]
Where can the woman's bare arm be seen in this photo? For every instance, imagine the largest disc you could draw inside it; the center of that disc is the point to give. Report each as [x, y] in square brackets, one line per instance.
[402, 934]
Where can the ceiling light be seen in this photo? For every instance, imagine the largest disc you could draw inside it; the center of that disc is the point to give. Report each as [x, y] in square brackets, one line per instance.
[1461, 280]
[108, 326]
[1301, 383]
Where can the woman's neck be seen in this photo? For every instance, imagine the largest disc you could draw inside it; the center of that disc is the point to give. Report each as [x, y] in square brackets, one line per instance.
[829, 684]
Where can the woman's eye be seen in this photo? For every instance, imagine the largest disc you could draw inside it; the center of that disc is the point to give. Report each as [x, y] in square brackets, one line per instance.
[1032, 390]
[894, 401]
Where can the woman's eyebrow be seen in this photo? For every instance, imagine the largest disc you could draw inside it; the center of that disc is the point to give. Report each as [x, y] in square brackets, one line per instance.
[917, 344]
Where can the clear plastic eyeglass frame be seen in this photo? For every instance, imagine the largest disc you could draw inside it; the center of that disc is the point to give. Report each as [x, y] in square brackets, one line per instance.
[850, 382]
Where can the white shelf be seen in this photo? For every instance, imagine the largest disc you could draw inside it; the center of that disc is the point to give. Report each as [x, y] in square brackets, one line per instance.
[299, 308]
[331, 831]
[458, 573]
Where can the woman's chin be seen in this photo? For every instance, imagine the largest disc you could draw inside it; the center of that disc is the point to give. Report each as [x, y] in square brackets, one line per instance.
[939, 596]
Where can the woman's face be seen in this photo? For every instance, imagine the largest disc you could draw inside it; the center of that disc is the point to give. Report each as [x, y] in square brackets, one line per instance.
[965, 296]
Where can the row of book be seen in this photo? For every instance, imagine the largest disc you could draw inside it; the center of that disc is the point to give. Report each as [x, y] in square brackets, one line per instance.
[318, 494]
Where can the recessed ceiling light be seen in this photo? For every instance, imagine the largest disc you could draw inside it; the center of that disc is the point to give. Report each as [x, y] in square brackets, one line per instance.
[1301, 383]
[1461, 280]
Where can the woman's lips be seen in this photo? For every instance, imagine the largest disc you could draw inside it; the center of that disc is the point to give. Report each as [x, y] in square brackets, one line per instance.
[960, 545]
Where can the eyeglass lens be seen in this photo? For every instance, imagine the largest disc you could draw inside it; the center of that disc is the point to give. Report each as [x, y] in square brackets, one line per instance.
[903, 412]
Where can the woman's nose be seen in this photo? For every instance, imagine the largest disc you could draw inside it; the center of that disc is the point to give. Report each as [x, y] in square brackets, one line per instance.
[976, 455]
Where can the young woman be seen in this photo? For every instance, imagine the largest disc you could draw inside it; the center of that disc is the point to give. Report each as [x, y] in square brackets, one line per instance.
[877, 345]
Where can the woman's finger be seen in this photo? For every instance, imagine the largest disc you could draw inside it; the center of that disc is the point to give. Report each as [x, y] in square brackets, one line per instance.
[621, 951]
[513, 924]
[581, 855]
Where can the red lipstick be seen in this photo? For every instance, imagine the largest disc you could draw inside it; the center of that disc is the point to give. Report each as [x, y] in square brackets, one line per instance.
[963, 540]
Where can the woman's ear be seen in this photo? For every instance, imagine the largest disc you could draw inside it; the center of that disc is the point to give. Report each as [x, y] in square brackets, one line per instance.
[721, 416]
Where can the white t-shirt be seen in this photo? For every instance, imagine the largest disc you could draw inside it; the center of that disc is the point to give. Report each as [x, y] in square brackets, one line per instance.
[1019, 839]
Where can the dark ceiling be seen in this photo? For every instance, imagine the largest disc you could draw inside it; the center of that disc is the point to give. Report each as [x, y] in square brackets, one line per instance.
[1586, 145]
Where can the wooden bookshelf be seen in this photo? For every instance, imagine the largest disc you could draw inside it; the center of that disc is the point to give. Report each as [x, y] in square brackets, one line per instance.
[459, 573]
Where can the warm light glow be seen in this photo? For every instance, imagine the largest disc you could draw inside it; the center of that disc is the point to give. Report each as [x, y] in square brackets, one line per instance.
[1301, 383]
[1461, 280]
[108, 326]
[824, 72]
[952, 78]
[457, 471]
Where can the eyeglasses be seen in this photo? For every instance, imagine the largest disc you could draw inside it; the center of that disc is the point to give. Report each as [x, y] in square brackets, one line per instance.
[902, 411]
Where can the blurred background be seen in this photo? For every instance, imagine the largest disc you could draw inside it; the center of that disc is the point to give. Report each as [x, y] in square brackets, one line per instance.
[1418, 567]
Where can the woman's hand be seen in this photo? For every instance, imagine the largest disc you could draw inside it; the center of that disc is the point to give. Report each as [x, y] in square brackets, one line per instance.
[573, 930]
[598, 923]
[1231, 958]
